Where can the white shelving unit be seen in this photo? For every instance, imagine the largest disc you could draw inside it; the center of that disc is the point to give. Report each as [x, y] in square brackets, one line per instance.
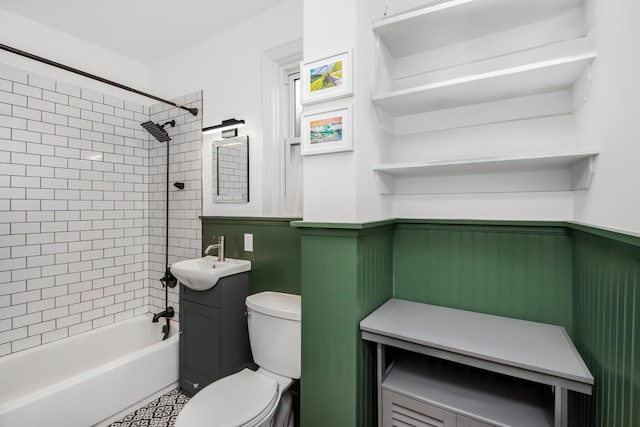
[564, 170]
[548, 76]
[455, 21]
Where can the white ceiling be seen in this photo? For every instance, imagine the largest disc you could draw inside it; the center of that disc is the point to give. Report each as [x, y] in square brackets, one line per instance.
[143, 30]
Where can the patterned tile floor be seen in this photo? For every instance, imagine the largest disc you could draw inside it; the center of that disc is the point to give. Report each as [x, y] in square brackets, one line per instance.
[161, 412]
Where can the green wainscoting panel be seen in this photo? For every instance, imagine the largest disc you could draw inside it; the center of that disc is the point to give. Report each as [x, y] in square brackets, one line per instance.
[275, 260]
[583, 278]
[329, 342]
[346, 274]
[606, 317]
[375, 277]
[520, 271]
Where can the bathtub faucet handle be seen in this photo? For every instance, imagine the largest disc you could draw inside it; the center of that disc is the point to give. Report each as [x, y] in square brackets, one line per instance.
[168, 313]
[169, 279]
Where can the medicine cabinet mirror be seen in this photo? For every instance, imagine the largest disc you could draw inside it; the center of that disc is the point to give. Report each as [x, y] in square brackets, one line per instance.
[231, 170]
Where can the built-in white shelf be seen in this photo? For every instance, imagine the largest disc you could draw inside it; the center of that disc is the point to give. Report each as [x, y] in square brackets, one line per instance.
[563, 170]
[466, 76]
[455, 21]
[525, 80]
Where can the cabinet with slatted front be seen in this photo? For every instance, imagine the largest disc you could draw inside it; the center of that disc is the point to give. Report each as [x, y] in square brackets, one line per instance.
[438, 366]
[421, 391]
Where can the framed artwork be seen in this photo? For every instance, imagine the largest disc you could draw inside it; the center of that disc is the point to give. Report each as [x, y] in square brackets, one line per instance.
[327, 78]
[327, 131]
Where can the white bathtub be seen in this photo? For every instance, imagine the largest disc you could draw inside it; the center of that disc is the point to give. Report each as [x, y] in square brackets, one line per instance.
[88, 379]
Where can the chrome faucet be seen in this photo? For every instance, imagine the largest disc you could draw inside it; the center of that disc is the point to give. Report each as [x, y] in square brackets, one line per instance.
[219, 246]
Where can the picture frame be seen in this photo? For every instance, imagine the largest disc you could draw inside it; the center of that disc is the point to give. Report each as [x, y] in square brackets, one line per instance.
[329, 131]
[327, 78]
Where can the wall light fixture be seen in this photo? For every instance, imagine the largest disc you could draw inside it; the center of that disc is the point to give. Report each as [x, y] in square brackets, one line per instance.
[229, 128]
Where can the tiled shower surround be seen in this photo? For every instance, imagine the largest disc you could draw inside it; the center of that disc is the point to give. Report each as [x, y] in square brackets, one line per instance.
[82, 207]
[185, 206]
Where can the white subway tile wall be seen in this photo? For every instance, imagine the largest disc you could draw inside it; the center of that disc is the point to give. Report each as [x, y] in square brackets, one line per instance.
[82, 207]
[185, 206]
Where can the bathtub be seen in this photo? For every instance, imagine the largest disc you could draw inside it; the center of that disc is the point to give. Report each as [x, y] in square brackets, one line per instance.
[89, 379]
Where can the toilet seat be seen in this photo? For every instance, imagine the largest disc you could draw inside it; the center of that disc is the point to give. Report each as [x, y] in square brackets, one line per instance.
[242, 399]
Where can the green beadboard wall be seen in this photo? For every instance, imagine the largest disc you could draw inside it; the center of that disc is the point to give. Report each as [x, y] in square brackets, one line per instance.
[346, 274]
[375, 251]
[507, 270]
[606, 318]
[583, 278]
[275, 260]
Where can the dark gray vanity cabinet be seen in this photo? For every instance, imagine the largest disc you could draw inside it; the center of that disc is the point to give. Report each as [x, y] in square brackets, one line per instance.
[214, 339]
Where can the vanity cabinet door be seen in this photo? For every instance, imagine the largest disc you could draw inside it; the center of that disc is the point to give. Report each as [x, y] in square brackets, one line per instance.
[235, 352]
[199, 344]
[214, 340]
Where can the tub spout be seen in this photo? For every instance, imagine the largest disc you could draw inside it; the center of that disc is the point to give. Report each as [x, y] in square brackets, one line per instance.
[168, 313]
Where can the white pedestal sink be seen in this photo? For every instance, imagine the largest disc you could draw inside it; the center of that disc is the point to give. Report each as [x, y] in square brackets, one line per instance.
[203, 273]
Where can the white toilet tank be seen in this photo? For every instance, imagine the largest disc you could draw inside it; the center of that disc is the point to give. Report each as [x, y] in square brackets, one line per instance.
[274, 332]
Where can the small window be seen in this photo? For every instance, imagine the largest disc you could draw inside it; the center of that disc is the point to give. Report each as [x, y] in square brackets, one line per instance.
[293, 158]
[295, 110]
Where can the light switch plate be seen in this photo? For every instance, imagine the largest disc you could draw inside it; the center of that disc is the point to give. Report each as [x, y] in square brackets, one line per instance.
[248, 242]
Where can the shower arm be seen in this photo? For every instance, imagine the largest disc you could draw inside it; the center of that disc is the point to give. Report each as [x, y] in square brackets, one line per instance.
[13, 50]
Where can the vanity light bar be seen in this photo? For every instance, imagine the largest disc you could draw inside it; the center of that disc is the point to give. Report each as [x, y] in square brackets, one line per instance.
[225, 127]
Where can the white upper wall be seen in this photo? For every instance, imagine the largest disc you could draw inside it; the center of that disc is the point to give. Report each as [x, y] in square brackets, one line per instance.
[606, 121]
[38, 39]
[340, 187]
[228, 69]
[143, 30]
[610, 120]
[329, 180]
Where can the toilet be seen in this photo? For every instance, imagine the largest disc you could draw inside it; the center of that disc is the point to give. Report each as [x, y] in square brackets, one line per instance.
[256, 398]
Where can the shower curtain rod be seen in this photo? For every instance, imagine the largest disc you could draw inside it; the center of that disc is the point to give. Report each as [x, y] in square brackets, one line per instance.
[193, 111]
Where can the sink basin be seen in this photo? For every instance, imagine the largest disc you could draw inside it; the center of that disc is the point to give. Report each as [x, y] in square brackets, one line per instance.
[203, 273]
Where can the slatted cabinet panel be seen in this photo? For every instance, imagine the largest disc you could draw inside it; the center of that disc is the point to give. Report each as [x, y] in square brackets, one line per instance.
[402, 411]
[420, 391]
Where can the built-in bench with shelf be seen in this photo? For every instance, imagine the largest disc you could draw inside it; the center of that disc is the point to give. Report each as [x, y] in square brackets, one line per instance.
[506, 356]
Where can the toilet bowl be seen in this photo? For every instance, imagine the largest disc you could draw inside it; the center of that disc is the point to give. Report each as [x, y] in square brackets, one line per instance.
[247, 399]
[254, 398]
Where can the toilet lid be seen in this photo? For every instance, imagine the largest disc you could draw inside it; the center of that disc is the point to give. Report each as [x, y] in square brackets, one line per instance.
[233, 401]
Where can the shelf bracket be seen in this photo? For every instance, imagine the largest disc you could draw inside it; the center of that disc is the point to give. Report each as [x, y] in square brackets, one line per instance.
[386, 182]
[582, 88]
[386, 121]
[582, 173]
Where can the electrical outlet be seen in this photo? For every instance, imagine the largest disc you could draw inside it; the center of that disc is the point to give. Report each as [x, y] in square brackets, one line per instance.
[248, 242]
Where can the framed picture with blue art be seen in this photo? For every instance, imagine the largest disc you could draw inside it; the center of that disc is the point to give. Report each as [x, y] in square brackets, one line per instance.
[327, 78]
[327, 131]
